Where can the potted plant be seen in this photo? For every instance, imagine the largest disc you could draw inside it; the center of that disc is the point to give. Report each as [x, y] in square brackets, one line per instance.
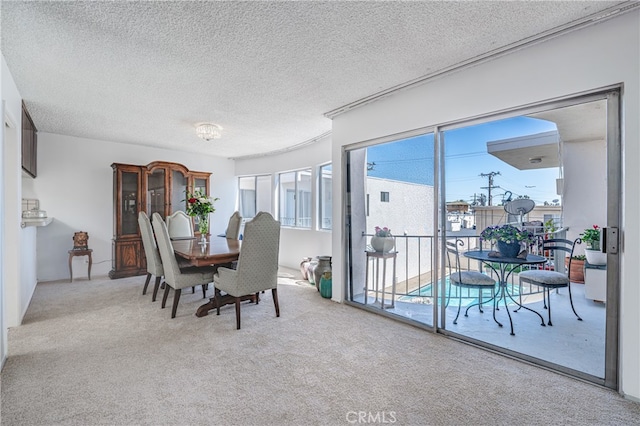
[508, 238]
[591, 236]
[382, 240]
[576, 268]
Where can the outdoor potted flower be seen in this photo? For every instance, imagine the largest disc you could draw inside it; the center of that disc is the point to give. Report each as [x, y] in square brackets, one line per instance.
[591, 237]
[382, 241]
[199, 206]
[509, 239]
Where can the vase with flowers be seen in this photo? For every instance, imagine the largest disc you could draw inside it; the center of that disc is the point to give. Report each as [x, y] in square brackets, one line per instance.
[383, 240]
[591, 237]
[509, 239]
[199, 206]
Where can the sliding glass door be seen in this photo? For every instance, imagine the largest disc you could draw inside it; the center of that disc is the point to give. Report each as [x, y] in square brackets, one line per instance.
[540, 169]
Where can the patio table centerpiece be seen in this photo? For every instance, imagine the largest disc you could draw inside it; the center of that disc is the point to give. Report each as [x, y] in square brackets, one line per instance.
[508, 238]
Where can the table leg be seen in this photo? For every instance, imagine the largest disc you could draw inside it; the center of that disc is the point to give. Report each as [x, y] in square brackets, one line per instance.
[89, 271]
[203, 310]
[70, 269]
[366, 282]
[384, 281]
[377, 261]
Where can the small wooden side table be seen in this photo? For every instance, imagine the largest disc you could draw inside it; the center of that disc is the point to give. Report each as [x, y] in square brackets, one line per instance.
[375, 256]
[72, 254]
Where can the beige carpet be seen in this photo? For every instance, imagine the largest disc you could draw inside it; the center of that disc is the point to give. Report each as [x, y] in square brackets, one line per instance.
[98, 352]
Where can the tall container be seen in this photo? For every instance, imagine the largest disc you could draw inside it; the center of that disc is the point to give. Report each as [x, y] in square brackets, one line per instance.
[324, 265]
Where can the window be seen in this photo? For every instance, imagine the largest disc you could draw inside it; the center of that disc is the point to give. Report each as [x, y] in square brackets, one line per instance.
[384, 197]
[326, 204]
[295, 198]
[255, 195]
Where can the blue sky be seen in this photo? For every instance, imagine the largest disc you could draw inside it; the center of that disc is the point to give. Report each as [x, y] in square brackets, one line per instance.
[411, 160]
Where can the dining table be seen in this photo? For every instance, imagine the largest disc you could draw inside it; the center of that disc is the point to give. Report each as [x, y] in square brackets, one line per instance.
[503, 267]
[214, 251]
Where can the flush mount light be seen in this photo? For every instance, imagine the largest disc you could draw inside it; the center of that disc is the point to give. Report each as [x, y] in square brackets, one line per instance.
[535, 160]
[208, 131]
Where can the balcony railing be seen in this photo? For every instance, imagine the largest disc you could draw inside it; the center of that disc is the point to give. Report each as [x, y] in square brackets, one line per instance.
[415, 270]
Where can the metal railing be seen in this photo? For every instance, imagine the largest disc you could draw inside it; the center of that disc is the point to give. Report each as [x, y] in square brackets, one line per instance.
[415, 270]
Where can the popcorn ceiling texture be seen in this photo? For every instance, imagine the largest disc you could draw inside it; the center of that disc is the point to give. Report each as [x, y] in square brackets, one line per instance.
[146, 73]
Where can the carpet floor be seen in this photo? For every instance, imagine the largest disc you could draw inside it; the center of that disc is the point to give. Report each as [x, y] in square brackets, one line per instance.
[100, 353]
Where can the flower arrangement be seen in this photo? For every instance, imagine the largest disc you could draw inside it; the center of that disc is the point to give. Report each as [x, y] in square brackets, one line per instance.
[199, 204]
[507, 234]
[591, 236]
[383, 232]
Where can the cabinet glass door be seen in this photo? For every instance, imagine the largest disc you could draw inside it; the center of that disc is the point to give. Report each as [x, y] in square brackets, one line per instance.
[130, 195]
[156, 192]
[200, 185]
[178, 191]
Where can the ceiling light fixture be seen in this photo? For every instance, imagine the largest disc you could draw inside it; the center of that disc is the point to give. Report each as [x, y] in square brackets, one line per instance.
[208, 131]
[535, 160]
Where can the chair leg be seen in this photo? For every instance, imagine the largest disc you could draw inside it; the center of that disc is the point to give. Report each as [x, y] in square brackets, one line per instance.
[258, 297]
[274, 293]
[237, 313]
[204, 290]
[165, 295]
[155, 289]
[146, 284]
[455, 321]
[480, 300]
[176, 298]
[193, 290]
[549, 306]
[216, 297]
[571, 300]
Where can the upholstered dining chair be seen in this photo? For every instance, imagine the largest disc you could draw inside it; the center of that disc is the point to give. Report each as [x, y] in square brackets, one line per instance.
[467, 279]
[257, 268]
[549, 280]
[179, 225]
[233, 229]
[174, 276]
[154, 263]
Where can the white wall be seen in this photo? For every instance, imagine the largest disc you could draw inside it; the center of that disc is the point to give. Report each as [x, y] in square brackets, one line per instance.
[598, 56]
[14, 303]
[75, 187]
[295, 243]
[585, 172]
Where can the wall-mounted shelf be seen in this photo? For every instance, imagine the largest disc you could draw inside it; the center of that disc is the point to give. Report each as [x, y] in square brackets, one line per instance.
[43, 221]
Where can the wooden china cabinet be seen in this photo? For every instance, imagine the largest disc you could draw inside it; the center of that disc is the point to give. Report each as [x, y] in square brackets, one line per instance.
[159, 187]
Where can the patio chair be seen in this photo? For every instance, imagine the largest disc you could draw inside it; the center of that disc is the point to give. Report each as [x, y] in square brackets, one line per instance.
[257, 265]
[154, 263]
[467, 279]
[175, 277]
[179, 225]
[549, 280]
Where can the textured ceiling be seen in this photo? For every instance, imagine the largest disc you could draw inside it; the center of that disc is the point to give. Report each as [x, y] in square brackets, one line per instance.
[146, 73]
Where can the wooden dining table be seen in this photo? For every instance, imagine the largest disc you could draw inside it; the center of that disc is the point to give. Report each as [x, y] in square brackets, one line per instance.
[218, 251]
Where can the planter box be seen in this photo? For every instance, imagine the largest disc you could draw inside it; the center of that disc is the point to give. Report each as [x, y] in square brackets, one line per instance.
[576, 274]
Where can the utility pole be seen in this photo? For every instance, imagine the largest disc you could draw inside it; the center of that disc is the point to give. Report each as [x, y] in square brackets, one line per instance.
[491, 186]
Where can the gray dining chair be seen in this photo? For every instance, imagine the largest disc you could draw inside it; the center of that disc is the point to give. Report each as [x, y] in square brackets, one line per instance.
[257, 268]
[547, 279]
[179, 225]
[233, 228]
[152, 255]
[467, 279]
[174, 276]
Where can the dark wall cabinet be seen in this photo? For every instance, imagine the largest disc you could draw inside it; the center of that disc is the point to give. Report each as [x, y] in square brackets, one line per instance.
[158, 187]
[29, 144]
